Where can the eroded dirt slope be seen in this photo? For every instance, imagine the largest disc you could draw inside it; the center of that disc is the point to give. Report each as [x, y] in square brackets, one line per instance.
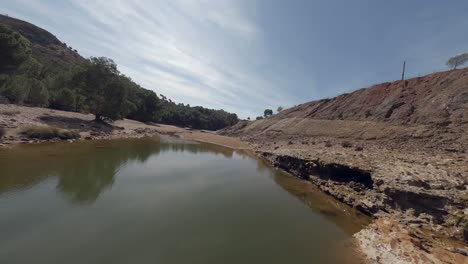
[436, 99]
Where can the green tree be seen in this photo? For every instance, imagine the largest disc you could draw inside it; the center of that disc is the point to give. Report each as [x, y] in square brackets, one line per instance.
[65, 100]
[114, 105]
[105, 89]
[14, 49]
[38, 93]
[279, 109]
[267, 112]
[80, 103]
[16, 88]
[458, 60]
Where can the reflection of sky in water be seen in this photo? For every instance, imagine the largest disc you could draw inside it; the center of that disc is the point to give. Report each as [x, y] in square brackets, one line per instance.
[150, 199]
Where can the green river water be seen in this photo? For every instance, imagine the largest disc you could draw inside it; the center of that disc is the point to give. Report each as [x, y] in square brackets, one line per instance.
[162, 200]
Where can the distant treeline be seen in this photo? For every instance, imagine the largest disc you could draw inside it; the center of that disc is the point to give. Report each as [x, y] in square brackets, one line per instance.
[95, 86]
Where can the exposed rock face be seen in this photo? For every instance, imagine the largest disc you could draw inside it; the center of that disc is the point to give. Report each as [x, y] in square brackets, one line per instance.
[396, 151]
[356, 187]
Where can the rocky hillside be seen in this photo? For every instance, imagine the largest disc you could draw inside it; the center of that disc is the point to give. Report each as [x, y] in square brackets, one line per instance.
[46, 47]
[433, 107]
[436, 99]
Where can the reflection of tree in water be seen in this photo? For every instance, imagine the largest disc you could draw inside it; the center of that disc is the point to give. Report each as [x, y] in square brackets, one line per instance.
[85, 173]
[85, 179]
[86, 169]
[196, 148]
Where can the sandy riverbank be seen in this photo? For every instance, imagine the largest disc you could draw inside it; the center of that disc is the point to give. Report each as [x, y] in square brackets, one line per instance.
[13, 118]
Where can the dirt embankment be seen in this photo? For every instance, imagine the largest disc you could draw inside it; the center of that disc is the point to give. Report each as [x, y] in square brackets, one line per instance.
[396, 151]
[14, 119]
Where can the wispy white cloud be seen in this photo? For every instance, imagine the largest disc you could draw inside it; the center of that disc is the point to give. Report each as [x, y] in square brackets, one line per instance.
[198, 52]
[244, 55]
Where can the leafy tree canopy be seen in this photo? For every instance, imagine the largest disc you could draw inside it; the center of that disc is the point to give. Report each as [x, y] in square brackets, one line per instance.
[458, 60]
[14, 49]
[267, 112]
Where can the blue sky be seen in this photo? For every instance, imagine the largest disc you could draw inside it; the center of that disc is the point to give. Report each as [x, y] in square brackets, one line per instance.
[248, 55]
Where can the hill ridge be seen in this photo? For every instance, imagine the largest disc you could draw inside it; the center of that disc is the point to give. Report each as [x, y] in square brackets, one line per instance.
[436, 99]
[46, 47]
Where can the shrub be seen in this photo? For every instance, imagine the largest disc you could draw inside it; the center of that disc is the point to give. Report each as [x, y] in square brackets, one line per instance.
[39, 132]
[2, 132]
[267, 112]
[46, 132]
[359, 148]
[328, 144]
[346, 144]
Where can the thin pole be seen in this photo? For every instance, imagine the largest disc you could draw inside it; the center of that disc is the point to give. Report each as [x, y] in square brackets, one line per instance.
[403, 73]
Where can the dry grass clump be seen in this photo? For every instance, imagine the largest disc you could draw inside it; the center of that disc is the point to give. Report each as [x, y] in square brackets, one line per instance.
[46, 132]
[10, 113]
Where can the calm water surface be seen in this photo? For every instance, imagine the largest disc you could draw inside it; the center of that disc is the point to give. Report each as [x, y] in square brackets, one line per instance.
[162, 200]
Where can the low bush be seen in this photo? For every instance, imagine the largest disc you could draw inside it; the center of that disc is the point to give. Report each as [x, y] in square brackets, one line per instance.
[2, 132]
[346, 144]
[46, 132]
[359, 148]
[328, 144]
[39, 132]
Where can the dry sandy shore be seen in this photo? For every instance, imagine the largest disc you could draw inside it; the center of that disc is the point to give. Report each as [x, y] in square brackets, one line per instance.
[14, 117]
